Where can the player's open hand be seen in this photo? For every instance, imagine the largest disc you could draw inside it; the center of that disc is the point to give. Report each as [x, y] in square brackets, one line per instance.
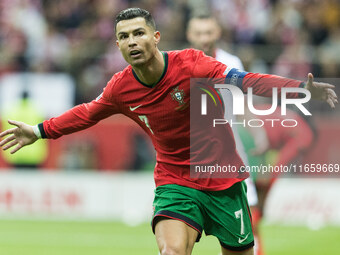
[20, 136]
[322, 91]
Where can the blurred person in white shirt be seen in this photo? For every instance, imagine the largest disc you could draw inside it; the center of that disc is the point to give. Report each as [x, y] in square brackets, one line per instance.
[203, 33]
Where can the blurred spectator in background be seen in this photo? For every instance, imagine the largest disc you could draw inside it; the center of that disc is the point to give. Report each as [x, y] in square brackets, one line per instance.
[79, 154]
[36, 155]
[276, 144]
[285, 37]
[295, 60]
[203, 33]
[76, 36]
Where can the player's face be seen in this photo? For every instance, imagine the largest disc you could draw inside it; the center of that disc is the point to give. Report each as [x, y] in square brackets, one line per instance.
[203, 34]
[137, 41]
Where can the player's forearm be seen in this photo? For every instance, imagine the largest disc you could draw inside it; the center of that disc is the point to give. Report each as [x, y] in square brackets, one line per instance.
[263, 84]
[74, 120]
[65, 124]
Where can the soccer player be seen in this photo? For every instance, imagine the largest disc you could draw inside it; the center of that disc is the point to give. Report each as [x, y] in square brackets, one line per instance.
[150, 91]
[285, 144]
[203, 33]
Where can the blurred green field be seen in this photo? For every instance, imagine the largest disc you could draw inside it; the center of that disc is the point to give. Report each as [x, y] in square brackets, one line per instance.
[112, 238]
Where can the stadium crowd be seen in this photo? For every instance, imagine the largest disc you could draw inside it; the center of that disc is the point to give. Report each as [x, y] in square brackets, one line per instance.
[285, 37]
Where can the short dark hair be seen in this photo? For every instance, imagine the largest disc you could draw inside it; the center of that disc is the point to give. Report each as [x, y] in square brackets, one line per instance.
[132, 13]
[204, 15]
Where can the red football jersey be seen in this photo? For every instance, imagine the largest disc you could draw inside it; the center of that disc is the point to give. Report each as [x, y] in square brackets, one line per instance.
[162, 112]
[289, 141]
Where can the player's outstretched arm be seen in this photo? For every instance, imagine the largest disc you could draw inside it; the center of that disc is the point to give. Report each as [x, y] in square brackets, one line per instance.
[20, 136]
[322, 91]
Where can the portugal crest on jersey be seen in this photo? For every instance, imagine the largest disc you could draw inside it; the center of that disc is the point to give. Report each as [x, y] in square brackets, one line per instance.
[178, 95]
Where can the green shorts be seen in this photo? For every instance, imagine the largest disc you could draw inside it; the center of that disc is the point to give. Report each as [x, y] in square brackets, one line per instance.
[224, 214]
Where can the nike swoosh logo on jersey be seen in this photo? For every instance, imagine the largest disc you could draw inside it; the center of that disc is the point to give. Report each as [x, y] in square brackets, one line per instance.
[134, 108]
[242, 240]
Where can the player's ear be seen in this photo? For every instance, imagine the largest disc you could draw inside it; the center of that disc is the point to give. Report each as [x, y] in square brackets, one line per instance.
[157, 36]
[117, 43]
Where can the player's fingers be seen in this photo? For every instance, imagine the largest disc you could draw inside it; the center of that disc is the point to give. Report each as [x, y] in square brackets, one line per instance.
[330, 102]
[16, 148]
[9, 145]
[325, 85]
[7, 132]
[15, 123]
[8, 139]
[335, 101]
[332, 97]
[310, 78]
[332, 93]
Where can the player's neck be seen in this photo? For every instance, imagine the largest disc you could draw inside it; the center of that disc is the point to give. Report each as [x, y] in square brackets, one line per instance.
[151, 72]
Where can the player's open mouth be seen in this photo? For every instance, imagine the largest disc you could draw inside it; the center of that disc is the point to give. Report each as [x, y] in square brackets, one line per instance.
[135, 53]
